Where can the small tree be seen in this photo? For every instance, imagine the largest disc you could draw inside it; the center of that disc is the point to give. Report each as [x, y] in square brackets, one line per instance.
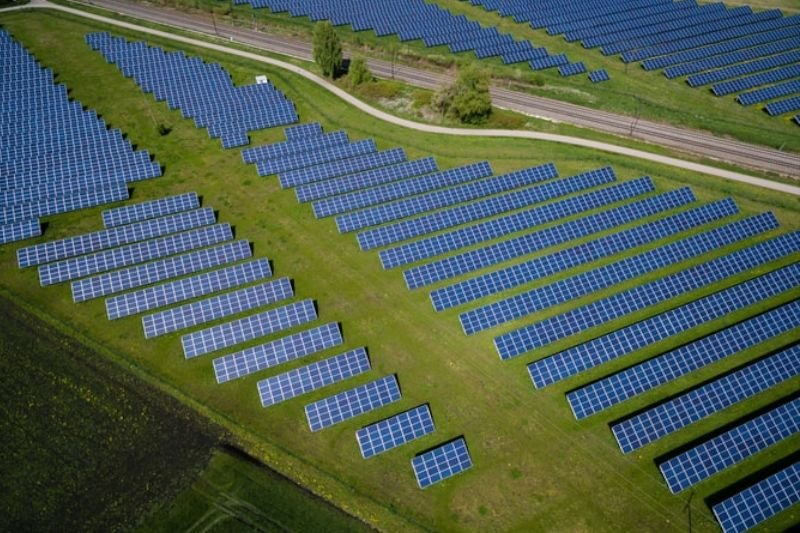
[358, 72]
[327, 49]
[468, 99]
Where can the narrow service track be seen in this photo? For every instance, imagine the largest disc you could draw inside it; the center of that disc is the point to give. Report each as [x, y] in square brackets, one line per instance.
[381, 115]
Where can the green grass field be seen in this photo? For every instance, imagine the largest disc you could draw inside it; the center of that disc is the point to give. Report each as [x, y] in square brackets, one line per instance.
[536, 468]
[632, 90]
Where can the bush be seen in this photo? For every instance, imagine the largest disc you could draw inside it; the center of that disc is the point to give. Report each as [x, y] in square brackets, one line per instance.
[327, 49]
[358, 72]
[468, 99]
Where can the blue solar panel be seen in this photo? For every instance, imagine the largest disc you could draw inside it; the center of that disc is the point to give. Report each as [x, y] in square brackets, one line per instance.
[591, 315]
[312, 377]
[572, 69]
[141, 252]
[768, 93]
[307, 159]
[283, 149]
[216, 307]
[407, 229]
[186, 288]
[655, 372]
[652, 330]
[731, 447]
[301, 131]
[248, 328]
[441, 463]
[699, 403]
[783, 106]
[395, 431]
[513, 276]
[598, 76]
[735, 71]
[439, 199]
[172, 267]
[340, 167]
[369, 178]
[251, 360]
[400, 189]
[109, 238]
[760, 501]
[755, 80]
[54, 206]
[353, 402]
[151, 209]
[20, 230]
[600, 278]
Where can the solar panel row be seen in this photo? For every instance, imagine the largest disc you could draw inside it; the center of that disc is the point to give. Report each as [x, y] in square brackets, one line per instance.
[18, 231]
[306, 176]
[441, 462]
[609, 275]
[353, 402]
[655, 329]
[395, 431]
[248, 328]
[703, 401]
[147, 273]
[731, 447]
[184, 289]
[216, 307]
[311, 377]
[591, 315]
[540, 267]
[645, 376]
[151, 209]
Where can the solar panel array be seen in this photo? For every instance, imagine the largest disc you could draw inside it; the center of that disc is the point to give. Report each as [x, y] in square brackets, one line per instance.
[609, 275]
[202, 91]
[731, 447]
[56, 156]
[214, 308]
[311, 377]
[626, 340]
[353, 402]
[161, 207]
[652, 373]
[760, 501]
[527, 338]
[699, 403]
[441, 463]
[417, 20]
[395, 431]
[707, 42]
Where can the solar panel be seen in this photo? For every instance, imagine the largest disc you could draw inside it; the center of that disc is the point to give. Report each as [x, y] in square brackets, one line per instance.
[351, 403]
[507, 224]
[141, 252]
[251, 360]
[646, 376]
[608, 275]
[312, 377]
[582, 318]
[18, 231]
[731, 447]
[171, 267]
[300, 131]
[534, 269]
[699, 403]
[472, 190]
[307, 159]
[109, 238]
[400, 189]
[598, 76]
[282, 149]
[368, 178]
[151, 209]
[441, 463]
[655, 329]
[407, 229]
[395, 431]
[64, 204]
[760, 501]
[186, 288]
[214, 308]
[245, 329]
[340, 167]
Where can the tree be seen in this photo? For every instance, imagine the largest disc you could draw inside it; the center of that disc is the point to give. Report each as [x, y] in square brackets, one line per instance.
[327, 49]
[468, 99]
[358, 72]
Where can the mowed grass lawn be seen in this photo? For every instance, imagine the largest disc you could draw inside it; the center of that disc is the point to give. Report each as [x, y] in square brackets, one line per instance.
[535, 467]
